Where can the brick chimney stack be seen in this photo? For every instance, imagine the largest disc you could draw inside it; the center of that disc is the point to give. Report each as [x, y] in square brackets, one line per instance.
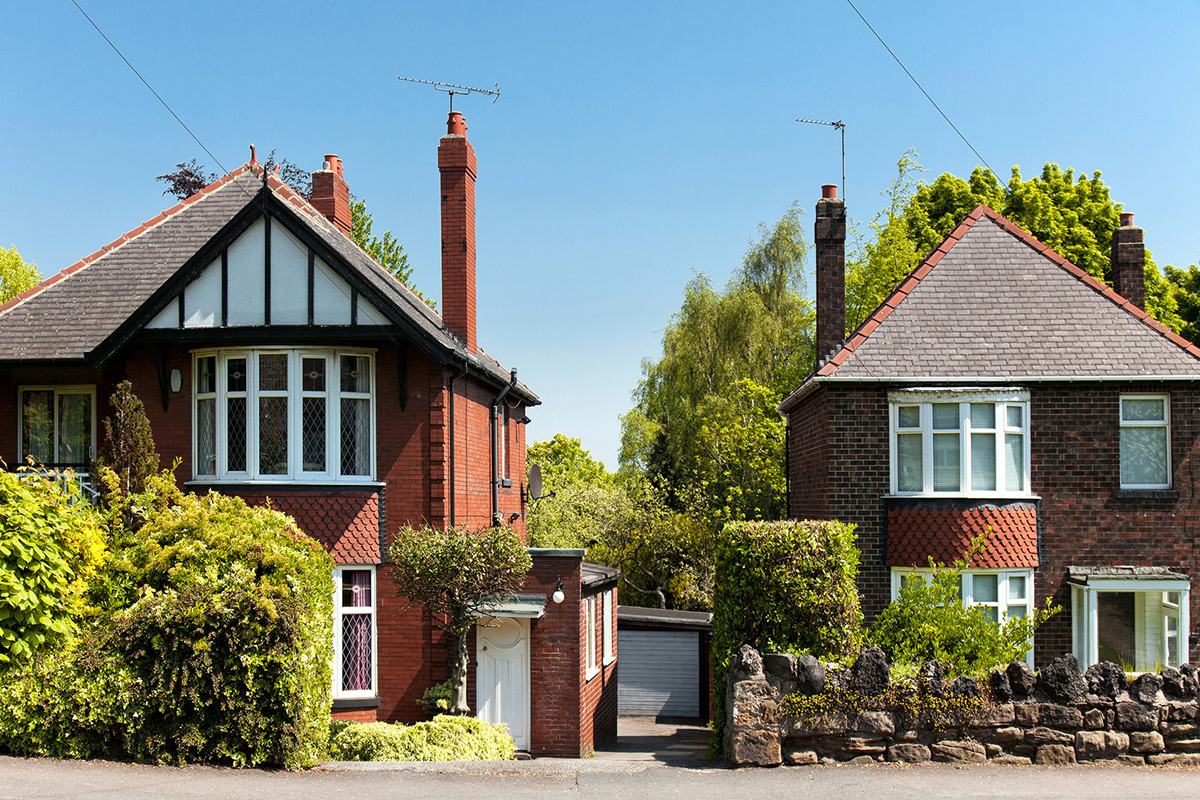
[331, 193]
[456, 162]
[830, 237]
[1129, 262]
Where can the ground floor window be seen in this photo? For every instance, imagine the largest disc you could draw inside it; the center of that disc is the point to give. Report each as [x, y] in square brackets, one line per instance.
[58, 425]
[1133, 616]
[354, 649]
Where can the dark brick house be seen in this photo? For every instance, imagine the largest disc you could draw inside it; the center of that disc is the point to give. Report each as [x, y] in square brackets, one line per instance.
[279, 362]
[1002, 390]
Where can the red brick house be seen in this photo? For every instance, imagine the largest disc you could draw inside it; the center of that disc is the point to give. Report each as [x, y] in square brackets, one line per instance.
[1002, 389]
[278, 361]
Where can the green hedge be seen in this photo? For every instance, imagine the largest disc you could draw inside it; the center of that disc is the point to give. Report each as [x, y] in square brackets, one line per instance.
[224, 631]
[784, 587]
[444, 738]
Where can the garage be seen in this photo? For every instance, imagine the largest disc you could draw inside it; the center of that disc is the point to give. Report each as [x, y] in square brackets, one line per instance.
[664, 663]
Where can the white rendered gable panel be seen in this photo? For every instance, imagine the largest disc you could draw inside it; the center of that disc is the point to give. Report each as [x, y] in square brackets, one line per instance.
[368, 314]
[168, 317]
[289, 278]
[246, 280]
[202, 298]
[331, 296]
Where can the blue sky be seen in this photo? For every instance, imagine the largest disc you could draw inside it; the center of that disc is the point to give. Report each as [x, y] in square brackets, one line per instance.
[633, 145]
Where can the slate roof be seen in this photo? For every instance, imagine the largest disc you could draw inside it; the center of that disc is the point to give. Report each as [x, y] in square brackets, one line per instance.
[71, 314]
[915, 534]
[994, 304]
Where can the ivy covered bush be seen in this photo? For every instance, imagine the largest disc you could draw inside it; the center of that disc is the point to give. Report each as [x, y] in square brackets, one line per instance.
[785, 587]
[444, 738]
[51, 545]
[214, 645]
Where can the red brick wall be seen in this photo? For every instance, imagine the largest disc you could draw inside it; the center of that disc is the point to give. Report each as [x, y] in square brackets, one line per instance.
[599, 701]
[1075, 463]
[556, 660]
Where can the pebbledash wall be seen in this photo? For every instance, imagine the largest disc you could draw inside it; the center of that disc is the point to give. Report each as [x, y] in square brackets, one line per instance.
[1057, 717]
[838, 450]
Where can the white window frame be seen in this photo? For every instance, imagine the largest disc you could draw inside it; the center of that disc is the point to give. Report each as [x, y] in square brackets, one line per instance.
[86, 389]
[1085, 618]
[589, 610]
[1005, 599]
[333, 395]
[924, 400]
[1164, 423]
[606, 626]
[338, 612]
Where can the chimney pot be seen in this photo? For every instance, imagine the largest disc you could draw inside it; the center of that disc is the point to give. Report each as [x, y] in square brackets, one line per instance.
[331, 194]
[829, 191]
[455, 125]
[1126, 219]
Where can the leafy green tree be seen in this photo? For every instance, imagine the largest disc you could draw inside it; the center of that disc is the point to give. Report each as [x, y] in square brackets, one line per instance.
[564, 462]
[455, 573]
[1185, 288]
[16, 275]
[128, 445]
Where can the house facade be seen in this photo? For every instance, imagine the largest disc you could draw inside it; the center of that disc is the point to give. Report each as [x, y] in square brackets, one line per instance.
[279, 362]
[1001, 392]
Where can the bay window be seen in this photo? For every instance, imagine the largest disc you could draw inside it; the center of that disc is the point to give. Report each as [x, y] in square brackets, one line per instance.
[1145, 442]
[354, 662]
[959, 442]
[1137, 617]
[283, 414]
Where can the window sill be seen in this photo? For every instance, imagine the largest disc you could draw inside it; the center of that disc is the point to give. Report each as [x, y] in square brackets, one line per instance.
[963, 496]
[355, 702]
[1146, 494]
[609, 660]
[591, 673]
[217, 485]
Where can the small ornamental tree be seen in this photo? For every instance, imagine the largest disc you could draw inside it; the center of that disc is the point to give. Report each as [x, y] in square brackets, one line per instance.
[128, 446]
[455, 574]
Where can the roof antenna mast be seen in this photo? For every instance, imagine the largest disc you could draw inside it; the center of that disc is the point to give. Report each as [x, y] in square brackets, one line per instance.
[453, 89]
[841, 126]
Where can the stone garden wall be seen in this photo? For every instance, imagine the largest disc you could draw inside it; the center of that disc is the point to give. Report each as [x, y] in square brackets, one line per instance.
[1056, 716]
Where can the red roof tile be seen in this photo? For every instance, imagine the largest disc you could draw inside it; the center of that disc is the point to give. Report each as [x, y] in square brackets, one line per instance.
[347, 525]
[915, 534]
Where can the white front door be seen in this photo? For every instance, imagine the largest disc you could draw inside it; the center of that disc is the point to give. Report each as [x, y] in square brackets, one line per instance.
[502, 675]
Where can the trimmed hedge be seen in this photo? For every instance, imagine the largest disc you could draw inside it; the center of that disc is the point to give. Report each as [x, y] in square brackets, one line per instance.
[224, 636]
[784, 587]
[444, 738]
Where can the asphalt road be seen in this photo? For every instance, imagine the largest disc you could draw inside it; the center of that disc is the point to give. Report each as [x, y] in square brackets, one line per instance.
[590, 778]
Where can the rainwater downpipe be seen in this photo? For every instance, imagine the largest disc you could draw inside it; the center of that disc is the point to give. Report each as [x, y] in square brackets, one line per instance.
[453, 484]
[495, 446]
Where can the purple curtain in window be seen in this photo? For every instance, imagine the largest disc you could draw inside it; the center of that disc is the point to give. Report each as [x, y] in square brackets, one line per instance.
[356, 652]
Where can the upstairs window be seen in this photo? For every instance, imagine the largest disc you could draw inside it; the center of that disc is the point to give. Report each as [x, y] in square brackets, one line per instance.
[58, 425]
[1145, 441]
[283, 415]
[960, 443]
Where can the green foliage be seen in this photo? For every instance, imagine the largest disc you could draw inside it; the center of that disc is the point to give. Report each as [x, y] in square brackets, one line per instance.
[437, 698]
[1075, 216]
[51, 545]
[16, 275]
[1184, 285]
[443, 738]
[916, 709]
[725, 353]
[453, 573]
[128, 445]
[929, 620]
[564, 463]
[387, 251]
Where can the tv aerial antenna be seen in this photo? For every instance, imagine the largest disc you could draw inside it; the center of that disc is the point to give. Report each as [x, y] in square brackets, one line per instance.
[453, 89]
[841, 126]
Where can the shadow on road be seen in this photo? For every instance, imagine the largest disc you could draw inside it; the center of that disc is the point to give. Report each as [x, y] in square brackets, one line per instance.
[676, 745]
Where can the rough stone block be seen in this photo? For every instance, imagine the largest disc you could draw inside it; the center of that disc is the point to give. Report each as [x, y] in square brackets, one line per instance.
[1021, 679]
[1146, 742]
[870, 672]
[810, 676]
[967, 752]
[1145, 688]
[1136, 717]
[799, 757]
[755, 702]
[1105, 679]
[908, 752]
[746, 664]
[932, 676]
[1131, 761]
[992, 750]
[1175, 759]
[755, 748]
[875, 722]
[1093, 719]
[995, 715]
[998, 683]
[1039, 737]
[1183, 745]
[1054, 755]
[781, 666]
[1181, 711]
[1180, 730]
[819, 726]
[1025, 714]
[1007, 735]
[1051, 715]
[1061, 681]
[1093, 745]
[1013, 760]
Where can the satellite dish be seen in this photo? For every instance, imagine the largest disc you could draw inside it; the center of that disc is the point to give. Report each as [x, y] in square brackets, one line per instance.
[535, 483]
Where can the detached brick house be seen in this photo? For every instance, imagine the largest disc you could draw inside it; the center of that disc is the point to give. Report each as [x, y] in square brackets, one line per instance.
[279, 362]
[1002, 390]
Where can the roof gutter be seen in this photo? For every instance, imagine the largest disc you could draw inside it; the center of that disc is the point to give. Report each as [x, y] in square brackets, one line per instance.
[496, 520]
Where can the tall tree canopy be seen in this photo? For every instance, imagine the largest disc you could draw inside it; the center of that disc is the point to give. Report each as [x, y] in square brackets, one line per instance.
[16, 275]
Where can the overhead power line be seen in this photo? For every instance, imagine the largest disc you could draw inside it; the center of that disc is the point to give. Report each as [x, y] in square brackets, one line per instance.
[922, 88]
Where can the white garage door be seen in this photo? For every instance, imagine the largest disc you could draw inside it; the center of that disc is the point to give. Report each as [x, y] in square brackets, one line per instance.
[659, 673]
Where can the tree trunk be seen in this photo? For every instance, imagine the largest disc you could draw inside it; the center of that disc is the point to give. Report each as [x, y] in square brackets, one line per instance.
[459, 676]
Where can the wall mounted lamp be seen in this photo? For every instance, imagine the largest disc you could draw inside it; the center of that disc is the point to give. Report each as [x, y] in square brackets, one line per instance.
[558, 595]
[176, 380]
